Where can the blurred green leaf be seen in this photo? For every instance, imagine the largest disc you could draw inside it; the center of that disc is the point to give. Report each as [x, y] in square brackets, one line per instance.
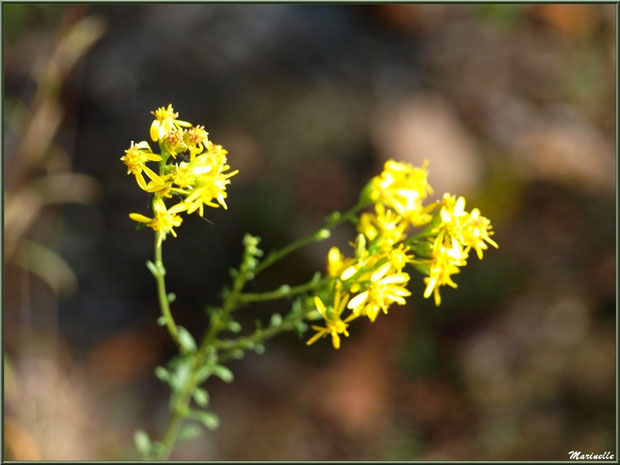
[223, 373]
[142, 442]
[189, 431]
[186, 340]
[209, 419]
[201, 396]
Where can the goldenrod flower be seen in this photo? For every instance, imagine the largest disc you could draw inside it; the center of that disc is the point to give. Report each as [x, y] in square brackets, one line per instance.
[183, 175]
[174, 142]
[164, 122]
[472, 230]
[196, 139]
[208, 188]
[136, 158]
[385, 224]
[445, 262]
[476, 232]
[398, 257]
[164, 219]
[334, 324]
[382, 290]
[403, 187]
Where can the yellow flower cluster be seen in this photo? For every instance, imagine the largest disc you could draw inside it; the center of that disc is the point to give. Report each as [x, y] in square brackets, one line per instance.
[197, 174]
[375, 278]
[455, 235]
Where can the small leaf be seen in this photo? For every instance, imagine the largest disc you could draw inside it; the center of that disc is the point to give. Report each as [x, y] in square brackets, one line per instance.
[162, 374]
[171, 297]
[237, 354]
[186, 340]
[209, 419]
[301, 328]
[201, 397]
[259, 348]
[142, 442]
[223, 373]
[234, 326]
[161, 321]
[152, 268]
[181, 375]
[189, 431]
[203, 373]
[276, 319]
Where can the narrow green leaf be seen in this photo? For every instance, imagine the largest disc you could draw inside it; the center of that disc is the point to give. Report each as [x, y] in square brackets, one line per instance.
[152, 268]
[237, 354]
[234, 326]
[162, 374]
[189, 431]
[223, 373]
[209, 419]
[142, 442]
[186, 340]
[201, 397]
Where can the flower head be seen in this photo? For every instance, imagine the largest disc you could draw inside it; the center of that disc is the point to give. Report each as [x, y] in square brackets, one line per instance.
[210, 187]
[136, 158]
[448, 256]
[472, 230]
[164, 219]
[196, 138]
[384, 287]
[402, 187]
[164, 122]
[334, 325]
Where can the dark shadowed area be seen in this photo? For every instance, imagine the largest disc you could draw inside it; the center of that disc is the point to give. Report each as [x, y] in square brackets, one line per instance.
[513, 106]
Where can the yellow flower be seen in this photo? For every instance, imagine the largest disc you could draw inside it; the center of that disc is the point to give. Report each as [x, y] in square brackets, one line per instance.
[196, 139]
[472, 230]
[208, 188]
[164, 122]
[173, 142]
[476, 232]
[403, 187]
[398, 257]
[136, 158]
[385, 224]
[445, 262]
[334, 325]
[162, 189]
[383, 290]
[164, 219]
[183, 175]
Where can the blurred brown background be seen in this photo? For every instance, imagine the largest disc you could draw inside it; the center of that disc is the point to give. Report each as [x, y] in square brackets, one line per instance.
[512, 104]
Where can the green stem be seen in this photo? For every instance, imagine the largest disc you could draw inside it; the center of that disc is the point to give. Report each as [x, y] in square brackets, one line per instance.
[162, 295]
[318, 235]
[180, 407]
[282, 292]
[260, 334]
[231, 302]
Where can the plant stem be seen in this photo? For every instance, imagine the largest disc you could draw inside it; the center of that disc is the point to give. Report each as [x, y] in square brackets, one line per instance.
[282, 292]
[259, 335]
[231, 302]
[162, 295]
[335, 220]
